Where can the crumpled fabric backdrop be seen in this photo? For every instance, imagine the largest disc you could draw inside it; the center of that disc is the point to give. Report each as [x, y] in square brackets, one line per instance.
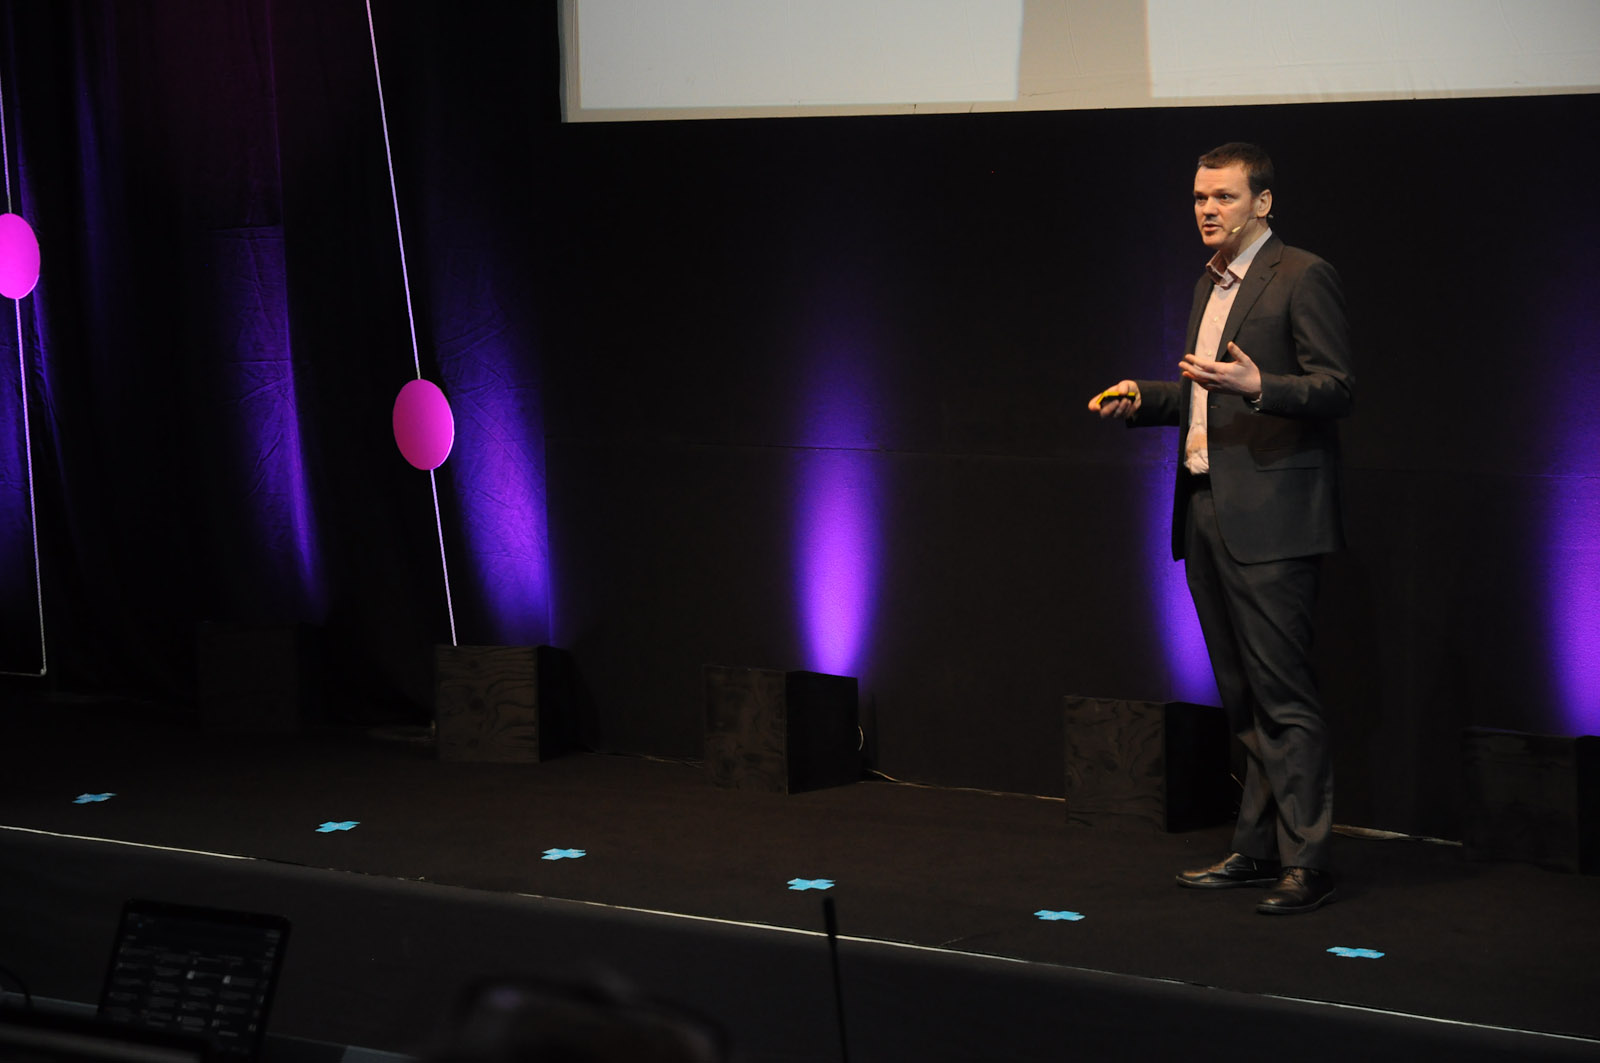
[223, 328]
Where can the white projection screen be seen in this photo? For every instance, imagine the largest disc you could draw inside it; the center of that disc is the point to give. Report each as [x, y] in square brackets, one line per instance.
[630, 60]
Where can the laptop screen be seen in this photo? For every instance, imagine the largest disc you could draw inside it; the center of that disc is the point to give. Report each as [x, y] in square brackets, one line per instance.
[203, 971]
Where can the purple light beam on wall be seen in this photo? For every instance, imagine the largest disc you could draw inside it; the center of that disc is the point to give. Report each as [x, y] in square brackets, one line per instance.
[1568, 339]
[499, 477]
[19, 273]
[838, 555]
[21, 590]
[1575, 583]
[284, 513]
[1182, 644]
[262, 394]
[836, 522]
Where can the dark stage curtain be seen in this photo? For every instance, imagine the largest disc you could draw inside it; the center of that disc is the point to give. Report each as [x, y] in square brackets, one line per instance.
[221, 329]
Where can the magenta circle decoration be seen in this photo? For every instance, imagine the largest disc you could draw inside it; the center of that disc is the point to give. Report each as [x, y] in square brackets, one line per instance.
[424, 427]
[19, 257]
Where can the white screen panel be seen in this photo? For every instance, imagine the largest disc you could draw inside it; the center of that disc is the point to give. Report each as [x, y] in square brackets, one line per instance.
[1372, 48]
[647, 59]
[735, 53]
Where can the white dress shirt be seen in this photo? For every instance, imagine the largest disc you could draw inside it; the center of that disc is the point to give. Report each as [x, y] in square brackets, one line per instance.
[1196, 458]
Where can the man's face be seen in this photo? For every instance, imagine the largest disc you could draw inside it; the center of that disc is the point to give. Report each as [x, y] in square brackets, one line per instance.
[1229, 217]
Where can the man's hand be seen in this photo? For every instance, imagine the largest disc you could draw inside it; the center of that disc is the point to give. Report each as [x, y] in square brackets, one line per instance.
[1119, 400]
[1238, 377]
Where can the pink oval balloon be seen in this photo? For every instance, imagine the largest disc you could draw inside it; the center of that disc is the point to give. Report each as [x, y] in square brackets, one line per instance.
[424, 427]
[19, 257]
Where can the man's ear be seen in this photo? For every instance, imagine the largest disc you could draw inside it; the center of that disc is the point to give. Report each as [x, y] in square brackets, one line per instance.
[1264, 203]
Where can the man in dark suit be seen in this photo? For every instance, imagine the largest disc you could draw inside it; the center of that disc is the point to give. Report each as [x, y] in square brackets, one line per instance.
[1256, 504]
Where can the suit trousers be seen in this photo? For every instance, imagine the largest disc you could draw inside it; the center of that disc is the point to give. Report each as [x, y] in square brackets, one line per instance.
[1256, 619]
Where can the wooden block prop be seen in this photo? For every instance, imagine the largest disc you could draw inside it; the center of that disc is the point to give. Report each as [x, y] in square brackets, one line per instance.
[261, 678]
[784, 732]
[502, 704]
[1532, 797]
[1161, 765]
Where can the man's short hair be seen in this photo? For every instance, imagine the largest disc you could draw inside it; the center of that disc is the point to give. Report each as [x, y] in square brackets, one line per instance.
[1257, 163]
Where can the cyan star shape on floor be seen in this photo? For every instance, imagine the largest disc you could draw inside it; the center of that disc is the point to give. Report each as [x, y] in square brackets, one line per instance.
[1050, 916]
[1360, 954]
[811, 883]
[330, 826]
[86, 799]
[563, 854]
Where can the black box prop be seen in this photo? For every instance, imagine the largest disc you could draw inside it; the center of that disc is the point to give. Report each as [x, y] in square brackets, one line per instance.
[1532, 797]
[783, 732]
[1162, 765]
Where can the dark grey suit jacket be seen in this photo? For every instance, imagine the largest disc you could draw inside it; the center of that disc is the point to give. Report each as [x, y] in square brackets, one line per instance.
[1274, 471]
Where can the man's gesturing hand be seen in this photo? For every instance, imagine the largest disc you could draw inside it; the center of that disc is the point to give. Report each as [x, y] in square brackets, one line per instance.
[1238, 377]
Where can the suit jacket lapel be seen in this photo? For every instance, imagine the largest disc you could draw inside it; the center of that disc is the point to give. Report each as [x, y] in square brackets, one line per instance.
[1202, 296]
[1255, 282]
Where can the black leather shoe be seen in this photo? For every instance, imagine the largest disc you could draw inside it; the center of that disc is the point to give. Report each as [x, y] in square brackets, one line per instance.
[1301, 889]
[1236, 870]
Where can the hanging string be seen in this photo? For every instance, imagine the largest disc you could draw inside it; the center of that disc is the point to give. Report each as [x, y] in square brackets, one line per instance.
[27, 433]
[411, 318]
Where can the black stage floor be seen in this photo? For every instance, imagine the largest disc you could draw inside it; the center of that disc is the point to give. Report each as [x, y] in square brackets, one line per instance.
[684, 890]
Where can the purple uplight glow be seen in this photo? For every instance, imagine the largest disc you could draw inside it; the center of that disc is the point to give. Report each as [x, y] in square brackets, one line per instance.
[499, 480]
[1569, 331]
[836, 520]
[272, 427]
[20, 585]
[837, 547]
[1183, 646]
[261, 392]
[1573, 582]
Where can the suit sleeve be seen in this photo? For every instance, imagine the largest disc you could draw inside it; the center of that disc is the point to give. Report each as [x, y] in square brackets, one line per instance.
[1158, 404]
[1321, 384]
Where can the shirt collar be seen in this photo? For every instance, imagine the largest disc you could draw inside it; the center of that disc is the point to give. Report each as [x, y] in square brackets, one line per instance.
[1226, 274]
